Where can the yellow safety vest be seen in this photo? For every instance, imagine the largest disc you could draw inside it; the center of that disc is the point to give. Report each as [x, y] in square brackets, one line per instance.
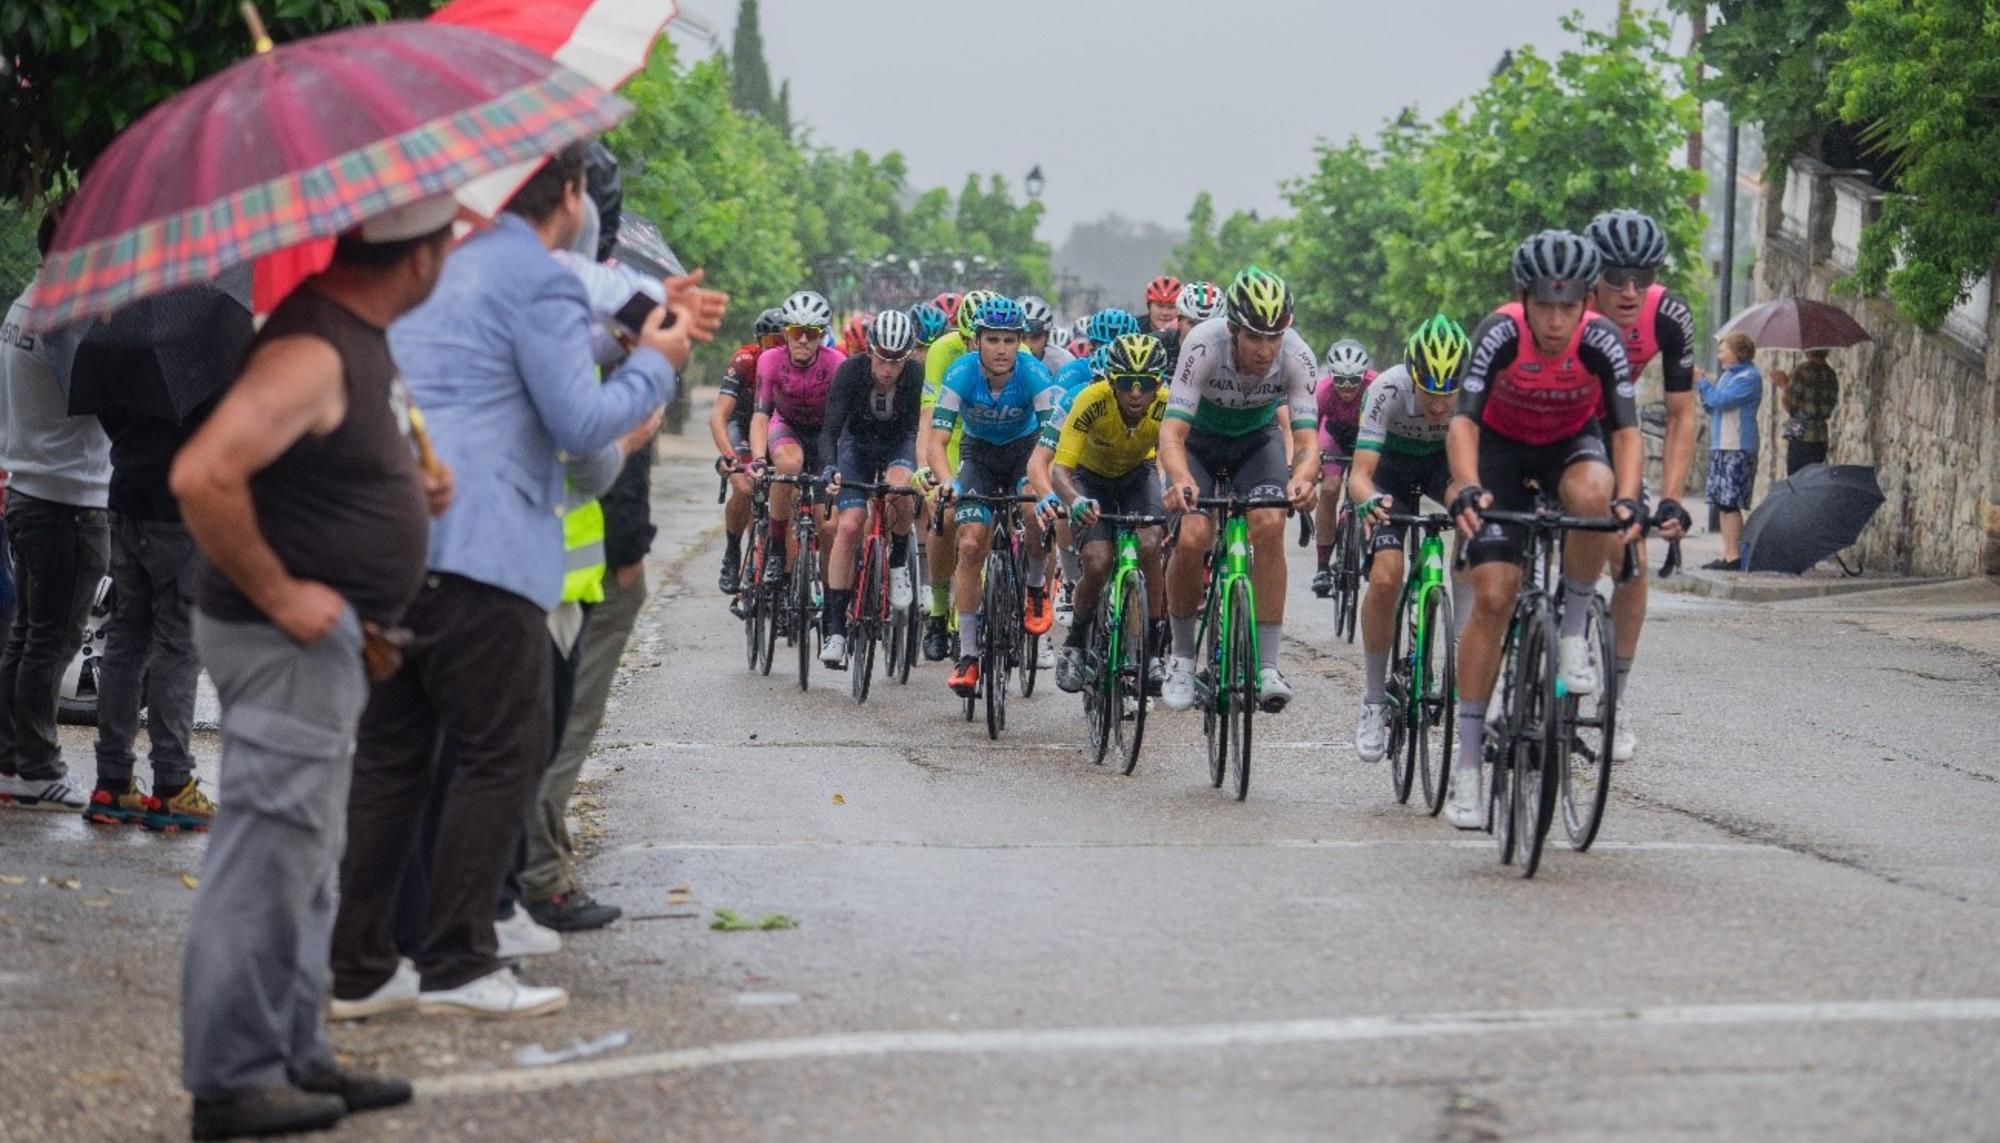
[583, 551]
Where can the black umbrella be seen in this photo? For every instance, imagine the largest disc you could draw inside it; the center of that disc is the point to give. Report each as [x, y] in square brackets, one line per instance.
[1809, 517]
[164, 356]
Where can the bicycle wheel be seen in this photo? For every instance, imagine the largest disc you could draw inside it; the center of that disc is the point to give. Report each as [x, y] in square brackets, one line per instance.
[1436, 691]
[1347, 580]
[805, 620]
[865, 625]
[1498, 749]
[1001, 622]
[1400, 712]
[1537, 716]
[1243, 684]
[1126, 696]
[1589, 724]
[1098, 701]
[1209, 693]
[910, 638]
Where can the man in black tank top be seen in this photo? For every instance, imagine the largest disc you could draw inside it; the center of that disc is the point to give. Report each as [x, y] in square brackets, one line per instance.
[304, 491]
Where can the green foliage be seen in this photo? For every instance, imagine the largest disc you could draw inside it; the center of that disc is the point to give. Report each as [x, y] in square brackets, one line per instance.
[1770, 66]
[84, 69]
[18, 256]
[1925, 79]
[1355, 203]
[749, 73]
[1216, 253]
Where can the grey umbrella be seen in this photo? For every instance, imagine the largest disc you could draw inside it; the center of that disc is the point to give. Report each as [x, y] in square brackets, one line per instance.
[1809, 517]
[163, 356]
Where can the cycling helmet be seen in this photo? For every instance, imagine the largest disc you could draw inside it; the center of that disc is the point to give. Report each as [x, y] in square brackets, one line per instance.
[1108, 325]
[1198, 301]
[1259, 301]
[1556, 266]
[892, 332]
[770, 323]
[1001, 314]
[1079, 334]
[806, 308]
[1436, 355]
[1346, 358]
[968, 309]
[854, 339]
[1136, 353]
[1100, 362]
[1059, 336]
[930, 321]
[1165, 289]
[1038, 312]
[1627, 238]
[948, 302]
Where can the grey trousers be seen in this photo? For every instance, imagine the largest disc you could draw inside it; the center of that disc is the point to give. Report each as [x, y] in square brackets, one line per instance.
[550, 869]
[253, 986]
[148, 651]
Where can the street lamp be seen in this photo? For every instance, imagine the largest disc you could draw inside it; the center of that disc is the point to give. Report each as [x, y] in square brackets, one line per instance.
[1035, 182]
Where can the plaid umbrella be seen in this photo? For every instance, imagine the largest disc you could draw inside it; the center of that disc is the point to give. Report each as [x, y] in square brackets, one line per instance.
[304, 142]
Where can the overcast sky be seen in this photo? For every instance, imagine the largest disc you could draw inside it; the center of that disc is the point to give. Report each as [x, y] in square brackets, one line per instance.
[1131, 107]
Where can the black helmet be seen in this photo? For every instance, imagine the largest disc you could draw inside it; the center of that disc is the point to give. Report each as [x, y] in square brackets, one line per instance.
[770, 323]
[1627, 238]
[1556, 266]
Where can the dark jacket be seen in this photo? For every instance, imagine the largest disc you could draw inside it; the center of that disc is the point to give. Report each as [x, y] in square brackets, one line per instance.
[628, 512]
[142, 454]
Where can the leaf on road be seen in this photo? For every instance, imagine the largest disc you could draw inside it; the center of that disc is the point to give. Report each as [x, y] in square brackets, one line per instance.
[97, 902]
[11, 879]
[838, 800]
[63, 882]
[190, 880]
[773, 921]
[680, 895]
[730, 921]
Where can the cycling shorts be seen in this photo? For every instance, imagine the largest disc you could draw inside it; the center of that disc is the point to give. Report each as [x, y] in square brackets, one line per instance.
[1137, 493]
[1408, 479]
[807, 440]
[1255, 461]
[867, 462]
[1332, 471]
[1506, 468]
[990, 470]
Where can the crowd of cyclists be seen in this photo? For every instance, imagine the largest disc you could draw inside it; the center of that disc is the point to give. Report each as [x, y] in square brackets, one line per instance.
[1168, 450]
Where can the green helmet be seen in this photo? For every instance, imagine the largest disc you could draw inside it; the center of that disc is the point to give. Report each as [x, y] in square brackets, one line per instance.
[1436, 355]
[1259, 300]
[968, 308]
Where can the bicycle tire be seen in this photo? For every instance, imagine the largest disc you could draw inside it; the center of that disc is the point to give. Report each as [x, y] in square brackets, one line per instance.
[1243, 684]
[993, 657]
[1349, 577]
[1537, 718]
[804, 621]
[1208, 691]
[912, 643]
[1499, 751]
[1587, 737]
[1097, 691]
[1400, 715]
[863, 627]
[1437, 699]
[1127, 694]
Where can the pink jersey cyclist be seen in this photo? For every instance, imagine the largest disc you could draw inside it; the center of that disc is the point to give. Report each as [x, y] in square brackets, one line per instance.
[795, 397]
[1339, 422]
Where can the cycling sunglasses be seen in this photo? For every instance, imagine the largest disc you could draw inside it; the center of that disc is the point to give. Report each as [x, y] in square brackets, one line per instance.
[1134, 382]
[890, 358]
[1619, 277]
[809, 332]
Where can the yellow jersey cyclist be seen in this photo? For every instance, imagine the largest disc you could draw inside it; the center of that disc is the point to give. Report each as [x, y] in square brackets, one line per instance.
[1398, 460]
[940, 537]
[1002, 398]
[1542, 373]
[1104, 462]
[1244, 381]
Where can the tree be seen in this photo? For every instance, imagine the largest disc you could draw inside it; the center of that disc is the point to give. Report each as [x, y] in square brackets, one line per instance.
[1216, 253]
[1771, 67]
[1357, 203]
[1923, 79]
[84, 69]
[749, 75]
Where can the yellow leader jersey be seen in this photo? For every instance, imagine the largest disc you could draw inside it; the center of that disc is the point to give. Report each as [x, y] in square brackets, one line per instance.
[1096, 438]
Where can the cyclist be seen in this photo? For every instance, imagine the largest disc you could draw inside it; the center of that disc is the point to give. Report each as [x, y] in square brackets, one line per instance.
[870, 435]
[1163, 295]
[1198, 302]
[941, 545]
[1656, 323]
[1339, 402]
[1104, 462]
[1398, 460]
[1235, 375]
[1039, 342]
[792, 384]
[1101, 329]
[1059, 335]
[930, 323]
[729, 424]
[854, 338]
[1542, 373]
[1074, 379]
[1002, 398]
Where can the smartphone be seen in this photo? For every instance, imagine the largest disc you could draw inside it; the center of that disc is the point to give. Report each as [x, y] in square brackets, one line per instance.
[632, 315]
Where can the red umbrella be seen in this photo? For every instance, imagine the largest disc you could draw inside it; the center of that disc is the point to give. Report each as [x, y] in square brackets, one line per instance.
[304, 142]
[1798, 323]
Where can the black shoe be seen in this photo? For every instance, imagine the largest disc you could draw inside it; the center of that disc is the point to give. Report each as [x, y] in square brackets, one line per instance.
[937, 640]
[1722, 565]
[280, 1110]
[1323, 582]
[573, 912]
[732, 567]
[358, 1090]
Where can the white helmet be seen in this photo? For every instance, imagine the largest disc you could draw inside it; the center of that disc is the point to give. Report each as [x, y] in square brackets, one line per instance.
[1059, 336]
[1039, 313]
[893, 332]
[806, 308]
[1347, 358]
[1198, 301]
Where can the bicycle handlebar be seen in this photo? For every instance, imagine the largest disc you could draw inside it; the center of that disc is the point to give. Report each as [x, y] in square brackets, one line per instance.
[1233, 504]
[1128, 520]
[1559, 521]
[878, 489]
[1428, 521]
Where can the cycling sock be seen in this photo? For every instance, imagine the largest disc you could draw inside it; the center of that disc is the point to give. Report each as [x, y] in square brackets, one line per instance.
[734, 542]
[1270, 636]
[968, 633]
[1183, 629]
[1036, 575]
[1079, 633]
[1471, 735]
[940, 598]
[1325, 555]
[1624, 669]
[1576, 605]
[1376, 666]
[1072, 567]
[835, 614]
[899, 550]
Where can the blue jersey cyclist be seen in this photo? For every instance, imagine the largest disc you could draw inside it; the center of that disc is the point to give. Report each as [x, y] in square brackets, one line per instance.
[1000, 399]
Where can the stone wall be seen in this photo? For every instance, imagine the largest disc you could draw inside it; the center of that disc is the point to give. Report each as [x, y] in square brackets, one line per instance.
[1921, 408]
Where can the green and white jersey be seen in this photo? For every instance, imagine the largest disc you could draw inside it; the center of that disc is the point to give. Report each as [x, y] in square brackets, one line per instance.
[1209, 392]
[1393, 422]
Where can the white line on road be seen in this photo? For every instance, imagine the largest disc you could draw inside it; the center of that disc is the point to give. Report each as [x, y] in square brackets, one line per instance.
[1745, 847]
[1170, 1037]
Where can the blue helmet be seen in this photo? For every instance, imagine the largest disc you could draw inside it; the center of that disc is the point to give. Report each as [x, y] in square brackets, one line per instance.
[1100, 360]
[930, 321]
[1108, 325]
[1000, 314]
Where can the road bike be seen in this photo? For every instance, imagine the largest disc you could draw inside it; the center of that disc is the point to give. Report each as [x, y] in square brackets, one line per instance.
[871, 618]
[756, 602]
[1422, 684]
[1004, 642]
[1117, 676]
[797, 611]
[1226, 670]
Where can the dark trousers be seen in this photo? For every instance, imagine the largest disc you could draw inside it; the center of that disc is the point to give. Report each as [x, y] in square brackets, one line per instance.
[479, 673]
[59, 553]
[149, 657]
[414, 898]
[1798, 454]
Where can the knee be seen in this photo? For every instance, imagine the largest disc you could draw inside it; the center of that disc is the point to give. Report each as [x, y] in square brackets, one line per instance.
[1267, 527]
[849, 529]
[1196, 535]
[1491, 595]
[1096, 563]
[1150, 549]
[788, 461]
[971, 543]
[1387, 573]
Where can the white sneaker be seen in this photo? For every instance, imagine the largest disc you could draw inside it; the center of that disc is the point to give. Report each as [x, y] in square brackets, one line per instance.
[1177, 693]
[397, 993]
[900, 591]
[1574, 668]
[1371, 734]
[1623, 744]
[834, 653]
[1273, 692]
[1462, 806]
[499, 995]
[1156, 670]
[1045, 657]
[50, 794]
[521, 935]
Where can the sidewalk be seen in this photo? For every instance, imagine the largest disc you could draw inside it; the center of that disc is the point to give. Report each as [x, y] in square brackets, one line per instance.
[1758, 587]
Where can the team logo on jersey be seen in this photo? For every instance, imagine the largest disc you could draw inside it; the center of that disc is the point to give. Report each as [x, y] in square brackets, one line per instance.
[1531, 367]
[1626, 390]
[1474, 385]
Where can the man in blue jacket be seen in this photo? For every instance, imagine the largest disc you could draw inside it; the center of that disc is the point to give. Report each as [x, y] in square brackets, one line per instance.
[499, 360]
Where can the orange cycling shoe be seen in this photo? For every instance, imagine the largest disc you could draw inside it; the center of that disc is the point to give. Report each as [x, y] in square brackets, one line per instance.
[1037, 618]
[965, 679]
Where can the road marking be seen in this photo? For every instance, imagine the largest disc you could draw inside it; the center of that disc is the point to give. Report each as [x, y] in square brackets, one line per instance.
[1171, 1037]
[1482, 842]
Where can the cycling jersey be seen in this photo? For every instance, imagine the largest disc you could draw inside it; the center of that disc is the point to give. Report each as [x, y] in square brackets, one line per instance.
[1016, 412]
[1209, 393]
[1393, 421]
[938, 360]
[1074, 377]
[739, 381]
[1665, 329]
[1095, 436]
[1516, 392]
[797, 394]
[1055, 358]
[864, 411]
[1340, 415]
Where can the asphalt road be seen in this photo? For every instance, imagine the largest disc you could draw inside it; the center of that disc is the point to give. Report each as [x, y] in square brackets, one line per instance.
[1786, 932]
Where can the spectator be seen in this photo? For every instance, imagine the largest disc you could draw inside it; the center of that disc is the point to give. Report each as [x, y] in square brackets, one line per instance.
[1809, 396]
[1732, 401]
[57, 537]
[304, 493]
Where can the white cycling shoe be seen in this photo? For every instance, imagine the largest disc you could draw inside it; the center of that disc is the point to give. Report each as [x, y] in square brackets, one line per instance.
[1371, 734]
[1624, 744]
[1463, 807]
[834, 653]
[901, 594]
[1574, 667]
[1177, 693]
[1273, 692]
